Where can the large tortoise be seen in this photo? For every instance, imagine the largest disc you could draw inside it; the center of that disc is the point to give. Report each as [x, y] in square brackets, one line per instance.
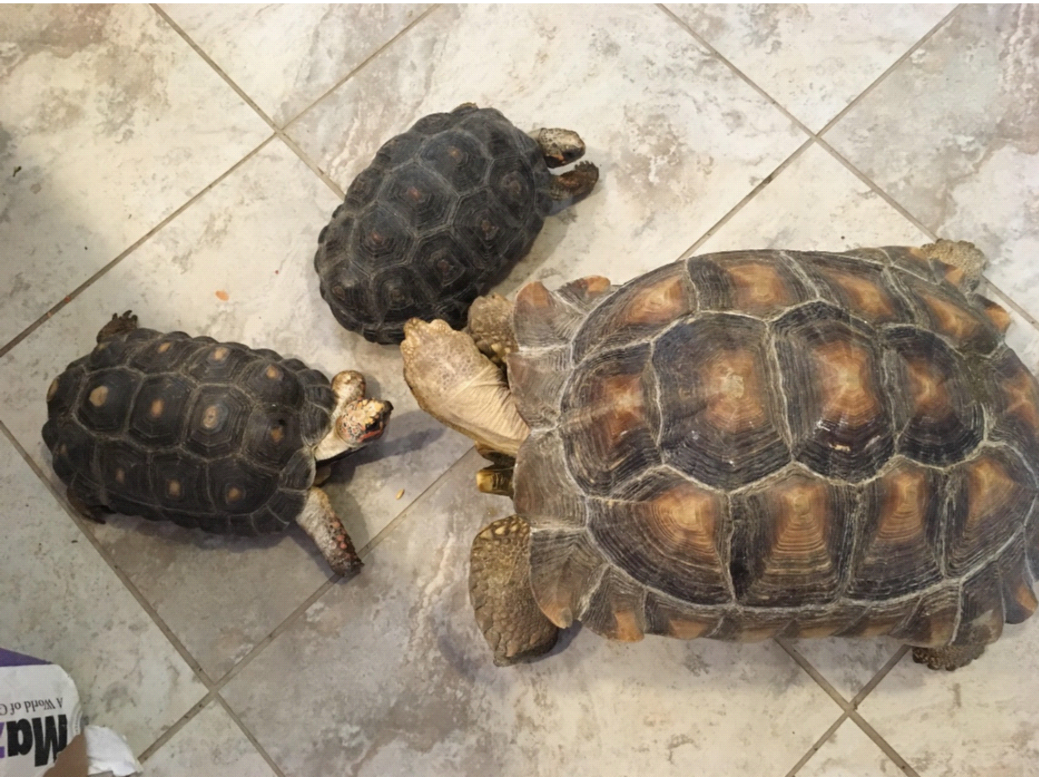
[751, 444]
[209, 435]
[441, 214]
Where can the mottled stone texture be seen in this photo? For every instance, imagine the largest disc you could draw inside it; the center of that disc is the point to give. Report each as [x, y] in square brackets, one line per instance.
[110, 122]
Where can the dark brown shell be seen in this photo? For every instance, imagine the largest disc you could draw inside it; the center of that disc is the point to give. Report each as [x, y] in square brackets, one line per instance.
[760, 443]
[211, 435]
[441, 214]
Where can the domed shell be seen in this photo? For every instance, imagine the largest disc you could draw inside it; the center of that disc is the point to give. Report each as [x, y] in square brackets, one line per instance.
[440, 215]
[209, 435]
[759, 443]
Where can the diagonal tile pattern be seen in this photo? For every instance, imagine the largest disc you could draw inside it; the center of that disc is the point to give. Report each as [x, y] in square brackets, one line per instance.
[109, 122]
[813, 59]
[415, 694]
[119, 140]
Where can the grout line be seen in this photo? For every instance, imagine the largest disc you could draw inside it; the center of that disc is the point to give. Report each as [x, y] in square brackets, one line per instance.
[249, 735]
[216, 68]
[305, 158]
[364, 552]
[81, 523]
[818, 744]
[849, 706]
[812, 134]
[21, 451]
[739, 73]
[363, 64]
[880, 675]
[750, 82]
[814, 673]
[280, 130]
[129, 249]
[876, 189]
[287, 623]
[909, 52]
[128, 584]
[891, 201]
[386, 530]
[173, 730]
[998, 292]
[297, 149]
[747, 198]
[882, 743]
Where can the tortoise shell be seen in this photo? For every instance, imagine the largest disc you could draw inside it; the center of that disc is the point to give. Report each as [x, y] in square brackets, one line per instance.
[441, 214]
[215, 436]
[749, 444]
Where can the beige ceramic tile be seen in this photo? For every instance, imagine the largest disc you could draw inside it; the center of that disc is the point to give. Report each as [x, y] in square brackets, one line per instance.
[286, 56]
[813, 59]
[815, 203]
[678, 137]
[399, 681]
[210, 744]
[977, 721]
[64, 604]
[953, 135]
[848, 752]
[108, 123]
[251, 238]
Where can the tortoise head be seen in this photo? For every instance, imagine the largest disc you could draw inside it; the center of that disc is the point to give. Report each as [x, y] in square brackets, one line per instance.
[559, 146]
[362, 421]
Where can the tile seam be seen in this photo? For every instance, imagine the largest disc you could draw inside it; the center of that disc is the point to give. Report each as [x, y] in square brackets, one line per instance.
[815, 748]
[249, 735]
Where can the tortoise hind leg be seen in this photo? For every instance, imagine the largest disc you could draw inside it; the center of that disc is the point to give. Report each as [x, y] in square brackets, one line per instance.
[962, 254]
[496, 478]
[949, 657]
[319, 520]
[499, 589]
[573, 185]
[95, 513]
[118, 325]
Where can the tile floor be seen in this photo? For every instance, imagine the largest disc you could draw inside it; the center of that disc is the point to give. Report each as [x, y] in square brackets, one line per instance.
[151, 157]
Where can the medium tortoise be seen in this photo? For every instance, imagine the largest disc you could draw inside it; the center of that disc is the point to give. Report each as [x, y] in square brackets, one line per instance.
[441, 214]
[209, 435]
[752, 444]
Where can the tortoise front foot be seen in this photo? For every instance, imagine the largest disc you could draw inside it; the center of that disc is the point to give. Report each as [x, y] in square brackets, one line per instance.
[319, 520]
[499, 589]
[949, 657]
[573, 185]
[459, 386]
[490, 327]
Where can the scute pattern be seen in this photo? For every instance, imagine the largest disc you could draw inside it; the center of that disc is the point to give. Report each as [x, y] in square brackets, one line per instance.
[836, 404]
[763, 443]
[441, 215]
[209, 435]
[720, 416]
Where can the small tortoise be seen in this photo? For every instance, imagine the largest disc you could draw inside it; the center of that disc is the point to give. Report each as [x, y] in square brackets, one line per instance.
[751, 444]
[209, 435]
[441, 214]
